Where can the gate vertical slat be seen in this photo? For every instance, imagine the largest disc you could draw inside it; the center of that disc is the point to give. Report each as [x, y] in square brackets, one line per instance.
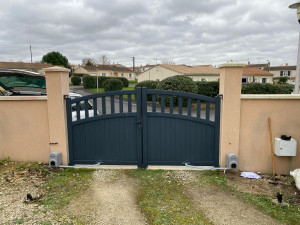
[153, 103]
[70, 131]
[189, 106]
[180, 105]
[198, 108]
[145, 128]
[129, 103]
[162, 102]
[207, 110]
[171, 104]
[86, 108]
[103, 106]
[78, 110]
[112, 104]
[138, 98]
[217, 130]
[95, 107]
[121, 103]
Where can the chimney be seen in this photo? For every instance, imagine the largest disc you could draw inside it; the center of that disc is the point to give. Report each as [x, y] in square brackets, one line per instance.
[286, 64]
[248, 63]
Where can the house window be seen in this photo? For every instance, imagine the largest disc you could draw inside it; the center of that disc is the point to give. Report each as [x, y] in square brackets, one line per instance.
[92, 74]
[122, 74]
[103, 74]
[244, 80]
[129, 75]
[264, 80]
[284, 73]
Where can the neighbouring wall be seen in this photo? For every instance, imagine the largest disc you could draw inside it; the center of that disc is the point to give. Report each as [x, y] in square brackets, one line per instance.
[24, 128]
[254, 150]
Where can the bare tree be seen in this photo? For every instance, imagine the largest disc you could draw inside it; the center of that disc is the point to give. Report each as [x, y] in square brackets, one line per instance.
[88, 62]
[104, 60]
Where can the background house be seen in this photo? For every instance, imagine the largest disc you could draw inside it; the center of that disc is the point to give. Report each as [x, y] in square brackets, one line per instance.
[197, 73]
[257, 75]
[106, 71]
[34, 67]
[203, 73]
[283, 71]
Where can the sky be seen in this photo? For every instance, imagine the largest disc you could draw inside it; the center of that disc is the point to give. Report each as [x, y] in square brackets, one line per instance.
[192, 32]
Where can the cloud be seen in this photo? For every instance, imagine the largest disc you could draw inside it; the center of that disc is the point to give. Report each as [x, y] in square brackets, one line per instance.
[190, 32]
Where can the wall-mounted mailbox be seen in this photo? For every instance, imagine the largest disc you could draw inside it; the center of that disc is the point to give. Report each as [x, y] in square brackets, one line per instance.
[285, 148]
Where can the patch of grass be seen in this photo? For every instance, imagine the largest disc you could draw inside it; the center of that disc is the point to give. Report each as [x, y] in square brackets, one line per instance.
[18, 221]
[64, 186]
[163, 201]
[289, 214]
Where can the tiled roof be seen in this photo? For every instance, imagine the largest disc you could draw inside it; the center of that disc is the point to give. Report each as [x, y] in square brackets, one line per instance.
[22, 65]
[108, 67]
[272, 68]
[254, 71]
[201, 69]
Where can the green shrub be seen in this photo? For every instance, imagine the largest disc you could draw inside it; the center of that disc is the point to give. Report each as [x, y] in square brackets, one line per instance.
[79, 74]
[287, 88]
[208, 88]
[283, 80]
[178, 83]
[149, 84]
[124, 80]
[259, 88]
[88, 81]
[113, 84]
[101, 81]
[76, 80]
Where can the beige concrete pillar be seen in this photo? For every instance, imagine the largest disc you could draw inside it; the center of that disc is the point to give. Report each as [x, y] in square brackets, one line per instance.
[57, 83]
[230, 88]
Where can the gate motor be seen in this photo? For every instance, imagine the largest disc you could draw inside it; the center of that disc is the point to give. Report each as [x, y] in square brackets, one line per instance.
[231, 161]
[55, 159]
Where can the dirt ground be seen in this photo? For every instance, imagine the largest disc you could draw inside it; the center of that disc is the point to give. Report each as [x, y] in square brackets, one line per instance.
[268, 185]
[111, 198]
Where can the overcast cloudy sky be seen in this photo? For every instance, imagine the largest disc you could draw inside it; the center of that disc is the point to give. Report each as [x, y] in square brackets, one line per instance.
[184, 31]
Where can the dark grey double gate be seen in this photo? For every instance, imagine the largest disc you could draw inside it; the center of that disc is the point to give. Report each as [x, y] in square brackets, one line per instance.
[144, 127]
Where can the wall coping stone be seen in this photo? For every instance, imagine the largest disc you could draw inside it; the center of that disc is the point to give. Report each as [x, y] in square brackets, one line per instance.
[266, 97]
[23, 98]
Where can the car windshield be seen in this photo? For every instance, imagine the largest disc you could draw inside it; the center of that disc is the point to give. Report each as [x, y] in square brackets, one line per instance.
[22, 83]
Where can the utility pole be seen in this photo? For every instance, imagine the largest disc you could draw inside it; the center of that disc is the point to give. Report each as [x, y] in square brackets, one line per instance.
[133, 63]
[30, 53]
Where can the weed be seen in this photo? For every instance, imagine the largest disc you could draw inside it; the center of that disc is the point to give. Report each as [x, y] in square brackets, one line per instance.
[64, 186]
[18, 221]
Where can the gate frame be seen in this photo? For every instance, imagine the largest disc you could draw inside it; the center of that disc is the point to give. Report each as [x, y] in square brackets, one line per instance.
[142, 130]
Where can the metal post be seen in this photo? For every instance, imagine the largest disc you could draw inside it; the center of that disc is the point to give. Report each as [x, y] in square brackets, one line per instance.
[296, 90]
[97, 77]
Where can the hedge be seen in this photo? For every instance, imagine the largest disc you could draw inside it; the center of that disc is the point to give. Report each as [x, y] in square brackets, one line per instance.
[178, 83]
[124, 80]
[113, 84]
[149, 84]
[79, 74]
[76, 80]
[259, 88]
[208, 88]
[88, 81]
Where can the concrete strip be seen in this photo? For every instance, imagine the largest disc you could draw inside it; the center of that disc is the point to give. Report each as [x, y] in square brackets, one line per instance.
[133, 167]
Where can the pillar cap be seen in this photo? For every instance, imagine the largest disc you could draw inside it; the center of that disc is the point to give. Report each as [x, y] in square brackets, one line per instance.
[232, 64]
[56, 69]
